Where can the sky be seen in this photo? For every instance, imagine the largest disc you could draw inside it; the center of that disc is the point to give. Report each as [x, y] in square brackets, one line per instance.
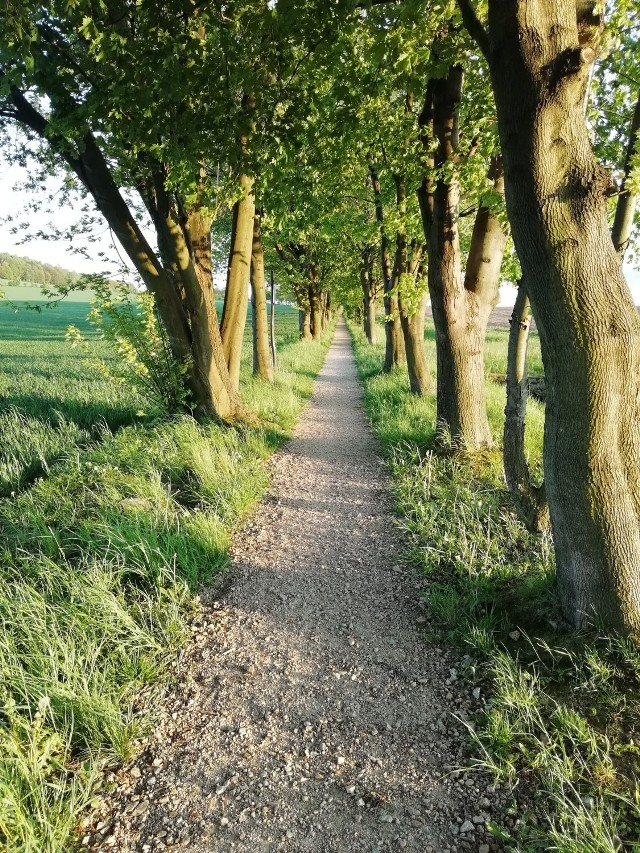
[61, 252]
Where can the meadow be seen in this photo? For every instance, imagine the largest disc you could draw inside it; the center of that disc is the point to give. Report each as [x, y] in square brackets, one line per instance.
[561, 722]
[110, 522]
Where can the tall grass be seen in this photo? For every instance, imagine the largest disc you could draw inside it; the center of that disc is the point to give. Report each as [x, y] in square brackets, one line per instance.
[101, 557]
[564, 714]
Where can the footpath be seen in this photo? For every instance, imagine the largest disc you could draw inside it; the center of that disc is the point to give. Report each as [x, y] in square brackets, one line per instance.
[308, 713]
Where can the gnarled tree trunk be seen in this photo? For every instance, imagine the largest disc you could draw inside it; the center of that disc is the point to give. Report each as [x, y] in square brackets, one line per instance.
[304, 323]
[529, 500]
[539, 56]
[236, 298]
[261, 356]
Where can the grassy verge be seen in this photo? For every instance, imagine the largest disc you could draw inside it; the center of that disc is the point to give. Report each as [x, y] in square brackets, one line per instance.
[563, 719]
[100, 560]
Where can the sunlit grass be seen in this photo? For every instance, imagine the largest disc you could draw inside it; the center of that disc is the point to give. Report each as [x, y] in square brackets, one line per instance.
[101, 556]
[564, 713]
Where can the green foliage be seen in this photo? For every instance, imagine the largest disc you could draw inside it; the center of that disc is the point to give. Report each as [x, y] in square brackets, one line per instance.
[563, 711]
[130, 324]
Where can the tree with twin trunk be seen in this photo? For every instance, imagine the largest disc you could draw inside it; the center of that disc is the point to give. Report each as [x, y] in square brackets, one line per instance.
[460, 303]
[540, 56]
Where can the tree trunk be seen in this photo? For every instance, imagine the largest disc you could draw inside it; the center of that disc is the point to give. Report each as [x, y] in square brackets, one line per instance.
[236, 298]
[261, 357]
[272, 323]
[369, 293]
[589, 328]
[413, 333]
[371, 327]
[460, 306]
[315, 298]
[194, 335]
[394, 339]
[208, 355]
[626, 206]
[304, 318]
[529, 500]
[405, 276]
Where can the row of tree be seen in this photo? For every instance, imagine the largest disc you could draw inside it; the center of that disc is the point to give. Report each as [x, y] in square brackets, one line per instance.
[18, 270]
[379, 149]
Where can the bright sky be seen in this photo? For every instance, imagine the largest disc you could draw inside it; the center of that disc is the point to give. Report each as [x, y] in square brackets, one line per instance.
[61, 252]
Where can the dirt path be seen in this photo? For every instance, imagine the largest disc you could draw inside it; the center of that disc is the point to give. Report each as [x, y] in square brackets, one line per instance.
[309, 714]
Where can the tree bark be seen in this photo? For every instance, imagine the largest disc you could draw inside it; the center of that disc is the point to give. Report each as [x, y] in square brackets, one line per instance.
[539, 56]
[394, 339]
[236, 298]
[272, 324]
[260, 332]
[460, 306]
[626, 206]
[315, 300]
[529, 500]
[304, 317]
[405, 277]
[369, 294]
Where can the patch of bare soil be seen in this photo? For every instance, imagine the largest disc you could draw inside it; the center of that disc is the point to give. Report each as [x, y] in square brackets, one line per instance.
[308, 712]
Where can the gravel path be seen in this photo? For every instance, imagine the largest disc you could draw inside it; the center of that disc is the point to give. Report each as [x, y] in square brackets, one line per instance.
[308, 713]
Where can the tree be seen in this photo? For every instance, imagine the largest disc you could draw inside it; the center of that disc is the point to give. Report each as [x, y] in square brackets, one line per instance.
[461, 304]
[75, 79]
[540, 56]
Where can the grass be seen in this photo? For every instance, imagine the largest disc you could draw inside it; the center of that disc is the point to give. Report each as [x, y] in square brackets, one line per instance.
[563, 720]
[50, 401]
[102, 555]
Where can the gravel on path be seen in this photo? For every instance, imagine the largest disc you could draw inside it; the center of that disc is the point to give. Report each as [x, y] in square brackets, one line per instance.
[307, 712]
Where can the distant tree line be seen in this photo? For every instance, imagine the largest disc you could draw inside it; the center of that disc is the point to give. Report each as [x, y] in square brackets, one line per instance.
[18, 270]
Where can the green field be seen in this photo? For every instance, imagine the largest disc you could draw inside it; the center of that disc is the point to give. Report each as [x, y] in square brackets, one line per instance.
[50, 399]
[109, 523]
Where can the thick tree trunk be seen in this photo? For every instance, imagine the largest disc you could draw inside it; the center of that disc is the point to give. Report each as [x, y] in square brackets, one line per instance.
[394, 339]
[236, 298]
[413, 333]
[261, 357]
[529, 500]
[626, 206]
[304, 322]
[589, 328]
[460, 306]
[208, 355]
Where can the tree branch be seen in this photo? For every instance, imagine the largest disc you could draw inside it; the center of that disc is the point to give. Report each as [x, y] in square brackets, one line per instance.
[474, 26]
